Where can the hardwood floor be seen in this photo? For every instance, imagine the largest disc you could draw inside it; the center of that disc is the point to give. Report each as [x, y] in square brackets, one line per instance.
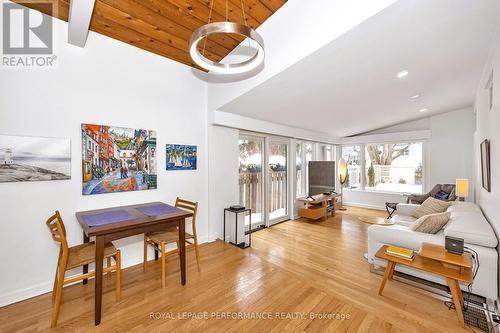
[294, 268]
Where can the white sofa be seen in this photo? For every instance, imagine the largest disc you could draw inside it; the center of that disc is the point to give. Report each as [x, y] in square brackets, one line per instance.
[466, 221]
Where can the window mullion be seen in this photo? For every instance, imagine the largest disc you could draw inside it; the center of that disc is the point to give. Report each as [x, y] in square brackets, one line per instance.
[363, 166]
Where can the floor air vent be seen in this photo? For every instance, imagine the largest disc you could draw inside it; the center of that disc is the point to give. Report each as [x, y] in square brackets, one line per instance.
[475, 316]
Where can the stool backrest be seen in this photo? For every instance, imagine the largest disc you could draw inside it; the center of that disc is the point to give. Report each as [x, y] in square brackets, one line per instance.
[190, 206]
[58, 231]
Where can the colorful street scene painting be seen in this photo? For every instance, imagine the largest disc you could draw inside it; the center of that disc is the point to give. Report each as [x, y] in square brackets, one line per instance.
[29, 158]
[181, 157]
[117, 159]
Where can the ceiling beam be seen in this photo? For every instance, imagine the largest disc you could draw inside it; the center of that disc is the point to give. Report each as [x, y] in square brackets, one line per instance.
[80, 13]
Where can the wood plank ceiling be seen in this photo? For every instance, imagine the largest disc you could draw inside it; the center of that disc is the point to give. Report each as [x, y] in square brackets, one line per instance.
[164, 27]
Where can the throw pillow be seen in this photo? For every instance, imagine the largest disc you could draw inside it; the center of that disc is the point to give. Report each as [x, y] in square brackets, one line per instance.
[431, 206]
[442, 195]
[431, 224]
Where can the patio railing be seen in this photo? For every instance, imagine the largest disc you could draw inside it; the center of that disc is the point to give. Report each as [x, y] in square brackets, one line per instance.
[251, 190]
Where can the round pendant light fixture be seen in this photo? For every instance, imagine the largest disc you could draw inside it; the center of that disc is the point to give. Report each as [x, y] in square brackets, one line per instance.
[205, 31]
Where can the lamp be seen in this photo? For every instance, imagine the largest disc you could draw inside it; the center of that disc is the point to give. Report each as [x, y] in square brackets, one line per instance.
[228, 28]
[342, 169]
[462, 188]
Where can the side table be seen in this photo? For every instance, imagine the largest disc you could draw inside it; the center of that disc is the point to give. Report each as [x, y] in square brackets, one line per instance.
[237, 212]
[390, 207]
[435, 260]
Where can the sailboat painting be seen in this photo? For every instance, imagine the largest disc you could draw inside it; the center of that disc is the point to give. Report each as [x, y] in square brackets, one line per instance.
[181, 157]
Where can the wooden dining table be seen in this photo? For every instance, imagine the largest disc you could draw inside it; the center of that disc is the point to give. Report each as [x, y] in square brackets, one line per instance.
[115, 223]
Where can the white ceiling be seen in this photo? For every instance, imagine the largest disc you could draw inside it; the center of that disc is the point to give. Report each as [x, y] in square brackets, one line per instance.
[349, 86]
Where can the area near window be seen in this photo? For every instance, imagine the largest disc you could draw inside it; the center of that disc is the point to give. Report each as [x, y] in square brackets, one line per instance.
[251, 178]
[278, 162]
[352, 155]
[387, 167]
[394, 167]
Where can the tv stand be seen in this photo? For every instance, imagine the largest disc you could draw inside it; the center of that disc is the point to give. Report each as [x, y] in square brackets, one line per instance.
[317, 206]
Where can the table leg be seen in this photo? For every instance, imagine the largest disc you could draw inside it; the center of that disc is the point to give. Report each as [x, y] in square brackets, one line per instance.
[457, 299]
[182, 249]
[389, 271]
[99, 257]
[250, 234]
[85, 267]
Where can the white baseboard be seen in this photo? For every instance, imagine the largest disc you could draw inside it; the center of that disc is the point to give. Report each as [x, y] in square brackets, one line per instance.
[361, 205]
[25, 293]
[214, 237]
[46, 287]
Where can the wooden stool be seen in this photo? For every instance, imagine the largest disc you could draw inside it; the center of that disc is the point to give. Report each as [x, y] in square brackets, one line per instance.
[158, 240]
[76, 256]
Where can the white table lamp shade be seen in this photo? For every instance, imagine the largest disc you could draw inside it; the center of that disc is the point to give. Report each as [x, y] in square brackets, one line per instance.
[462, 188]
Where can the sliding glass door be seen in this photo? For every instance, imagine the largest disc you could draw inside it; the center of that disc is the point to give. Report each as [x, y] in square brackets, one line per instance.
[264, 179]
[251, 185]
[277, 181]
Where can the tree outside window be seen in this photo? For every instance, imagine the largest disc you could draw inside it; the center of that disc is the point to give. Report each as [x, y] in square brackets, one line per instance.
[394, 167]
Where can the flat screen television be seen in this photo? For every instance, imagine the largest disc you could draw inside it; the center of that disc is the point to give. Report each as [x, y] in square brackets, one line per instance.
[321, 177]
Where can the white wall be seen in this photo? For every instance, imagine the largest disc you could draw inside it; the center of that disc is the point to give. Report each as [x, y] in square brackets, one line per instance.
[451, 148]
[447, 154]
[107, 82]
[260, 126]
[288, 41]
[488, 127]
[223, 176]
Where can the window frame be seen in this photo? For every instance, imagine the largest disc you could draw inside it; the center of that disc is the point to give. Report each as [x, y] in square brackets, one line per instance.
[363, 182]
[361, 159]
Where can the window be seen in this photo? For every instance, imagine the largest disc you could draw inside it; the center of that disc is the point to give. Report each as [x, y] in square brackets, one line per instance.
[299, 170]
[352, 156]
[309, 156]
[251, 178]
[326, 152]
[394, 167]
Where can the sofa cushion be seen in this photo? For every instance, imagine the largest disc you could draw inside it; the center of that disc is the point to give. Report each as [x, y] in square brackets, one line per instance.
[472, 227]
[431, 206]
[431, 223]
[406, 209]
[405, 220]
[463, 207]
[399, 235]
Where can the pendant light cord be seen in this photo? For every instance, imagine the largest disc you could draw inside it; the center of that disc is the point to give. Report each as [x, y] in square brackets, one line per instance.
[227, 20]
[209, 19]
[244, 19]
[243, 11]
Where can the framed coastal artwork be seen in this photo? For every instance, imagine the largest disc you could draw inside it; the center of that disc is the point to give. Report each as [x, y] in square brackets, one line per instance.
[180, 157]
[485, 165]
[117, 159]
[30, 158]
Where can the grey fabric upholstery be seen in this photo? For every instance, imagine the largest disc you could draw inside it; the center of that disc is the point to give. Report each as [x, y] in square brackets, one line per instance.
[419, 198]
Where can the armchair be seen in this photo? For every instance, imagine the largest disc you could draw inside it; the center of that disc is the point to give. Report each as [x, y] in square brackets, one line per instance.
[447, 188]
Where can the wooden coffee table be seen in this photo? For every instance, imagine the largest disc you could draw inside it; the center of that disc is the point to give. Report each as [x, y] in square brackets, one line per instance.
[436, 260]
[375, 220]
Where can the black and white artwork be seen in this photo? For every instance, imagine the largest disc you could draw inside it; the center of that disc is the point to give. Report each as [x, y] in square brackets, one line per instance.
[29, 158]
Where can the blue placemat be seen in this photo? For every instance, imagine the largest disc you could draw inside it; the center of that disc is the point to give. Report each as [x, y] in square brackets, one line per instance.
[98, 219]
[159, 209]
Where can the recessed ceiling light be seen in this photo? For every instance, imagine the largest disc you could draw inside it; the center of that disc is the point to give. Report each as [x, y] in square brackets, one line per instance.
[415, 96]
[402, 74]
[423, 110]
